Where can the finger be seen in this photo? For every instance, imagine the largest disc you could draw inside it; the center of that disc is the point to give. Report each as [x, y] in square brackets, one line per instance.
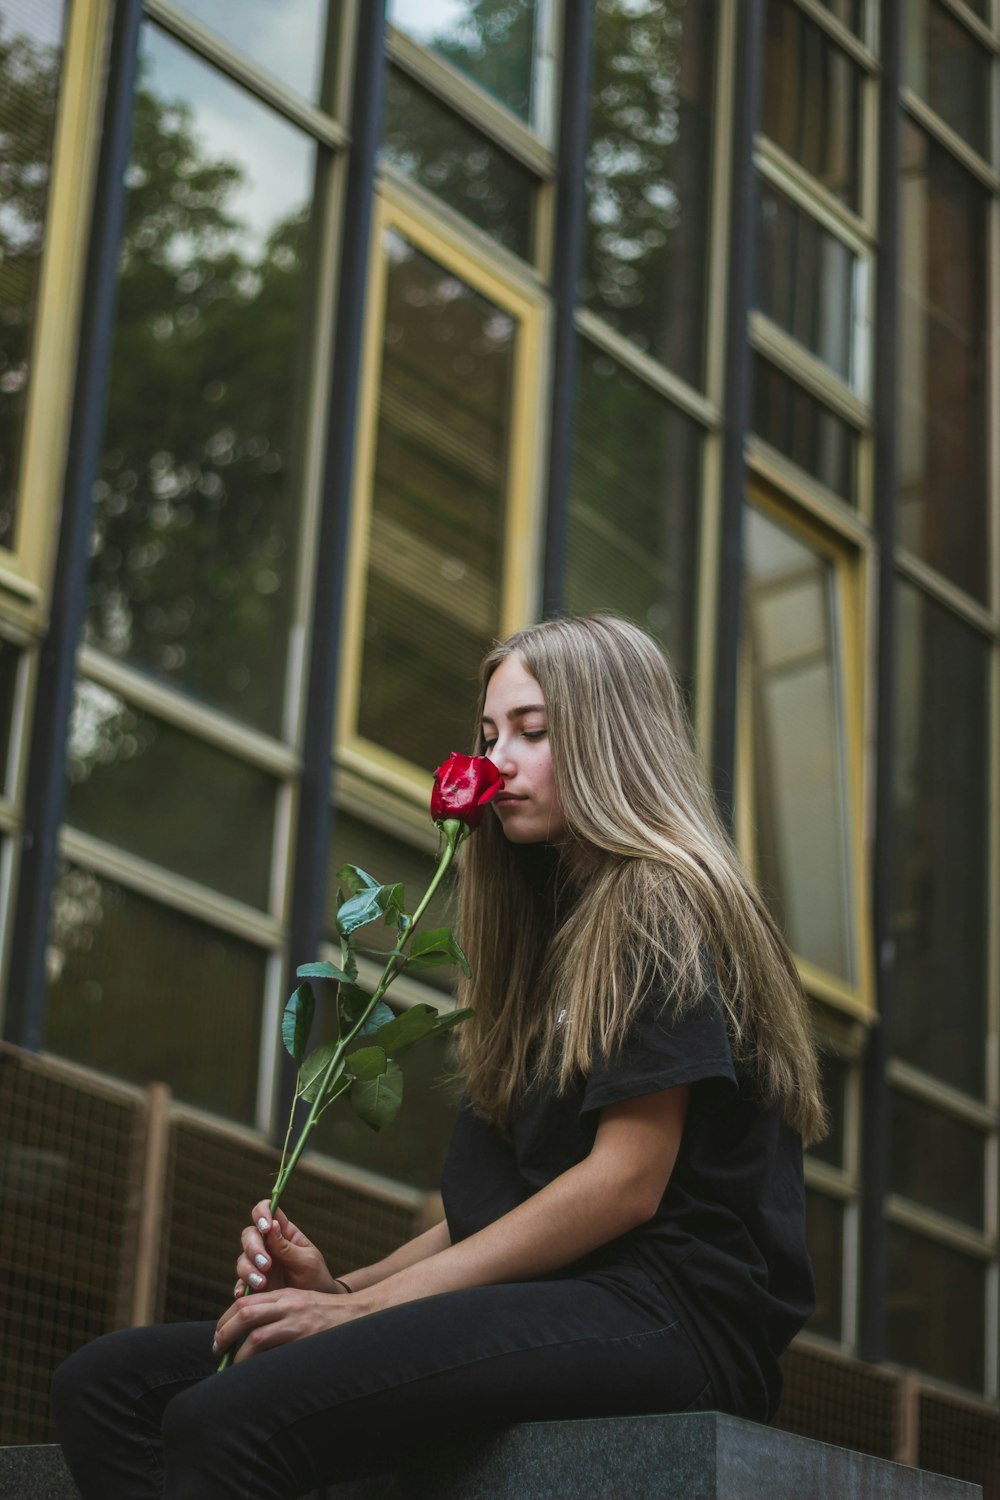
[261, 1216]
[252, 1273]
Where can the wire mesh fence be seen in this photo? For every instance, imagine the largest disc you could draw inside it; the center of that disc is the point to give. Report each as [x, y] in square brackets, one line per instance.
[125, 1208]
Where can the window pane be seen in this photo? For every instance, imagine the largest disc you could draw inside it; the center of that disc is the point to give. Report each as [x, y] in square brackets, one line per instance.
[433, 599]
[806, 280]
[147, 994]
[145, 786]
[944, 420]
[949, 70]
[196, 509]
[936, 1310]
[449, 157]
[9, 662]
[649, 175]
[804, 429]
[811, 99]
[825, 1242]
[390, 859]
[850, 12]
[296, 40]
[940, 839]
[494, 45]
[833, 1147]
[937, 1160]
[632, 543]
[799, 754]
[30, 66]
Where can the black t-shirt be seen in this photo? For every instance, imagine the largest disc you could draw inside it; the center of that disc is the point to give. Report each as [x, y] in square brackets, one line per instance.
[727, 1243]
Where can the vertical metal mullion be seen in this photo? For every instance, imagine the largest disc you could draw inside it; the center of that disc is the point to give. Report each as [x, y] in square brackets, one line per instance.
[736, 398]
[45, 788]
[577, 50]
[875, 1105]
[312, 832]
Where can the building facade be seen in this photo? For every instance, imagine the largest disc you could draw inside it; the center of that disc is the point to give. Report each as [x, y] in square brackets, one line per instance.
[335, 345]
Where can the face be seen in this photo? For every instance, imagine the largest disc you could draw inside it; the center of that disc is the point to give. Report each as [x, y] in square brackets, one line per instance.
[516, 740]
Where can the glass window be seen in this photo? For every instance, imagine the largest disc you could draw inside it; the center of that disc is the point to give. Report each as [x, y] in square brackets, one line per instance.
[940, 842]
[296, 40]
[804, 428]
[147, 994]
[937, 1160]
[147, 787]
[9, 662]
[649, 175]
[949, 70]
[825, 1242]
[632, 543]
[811, 99]
[439, 506]
[944, 418]
[935, 1306]
[391, 859]
[807, 280]
[799, 750]
[30, 67]
[494, 45]
[196, 508]
[449, 157]
[850, 12]
[833, 1147]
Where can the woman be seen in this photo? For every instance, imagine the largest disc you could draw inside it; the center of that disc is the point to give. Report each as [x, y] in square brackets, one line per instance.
[623, 1192]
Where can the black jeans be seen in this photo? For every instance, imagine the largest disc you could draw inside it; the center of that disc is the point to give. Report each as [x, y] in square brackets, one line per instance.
[142, 1413]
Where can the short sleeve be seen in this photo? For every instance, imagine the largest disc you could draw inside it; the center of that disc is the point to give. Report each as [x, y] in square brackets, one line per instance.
[662, 1051]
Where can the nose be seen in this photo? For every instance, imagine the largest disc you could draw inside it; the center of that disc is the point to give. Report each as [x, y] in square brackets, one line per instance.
[500, 755]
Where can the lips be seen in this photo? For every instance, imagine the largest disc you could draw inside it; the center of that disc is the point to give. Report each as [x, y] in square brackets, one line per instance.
[508, 799]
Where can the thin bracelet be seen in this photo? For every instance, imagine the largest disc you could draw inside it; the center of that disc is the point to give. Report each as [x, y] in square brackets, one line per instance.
[337, 1281]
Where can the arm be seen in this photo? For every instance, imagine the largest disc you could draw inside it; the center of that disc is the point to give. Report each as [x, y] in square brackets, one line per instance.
[281, 1256]
[614, 1189]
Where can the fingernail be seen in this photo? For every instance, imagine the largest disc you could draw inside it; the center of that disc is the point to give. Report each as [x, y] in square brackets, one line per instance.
[215, 1346]
[263, 1225]
[256, 1280]
[260, 1261]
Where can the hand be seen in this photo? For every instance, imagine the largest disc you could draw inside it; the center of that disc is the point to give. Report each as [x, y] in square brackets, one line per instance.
[280, 1257]
[270, 1319]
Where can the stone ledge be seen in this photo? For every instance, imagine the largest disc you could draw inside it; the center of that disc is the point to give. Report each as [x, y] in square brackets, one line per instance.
[703, 1456]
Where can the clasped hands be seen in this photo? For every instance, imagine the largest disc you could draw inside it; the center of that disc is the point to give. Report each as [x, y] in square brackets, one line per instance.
[294, 1294]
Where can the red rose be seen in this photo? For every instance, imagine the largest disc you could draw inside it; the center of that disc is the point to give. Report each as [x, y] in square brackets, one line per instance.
[462, 788]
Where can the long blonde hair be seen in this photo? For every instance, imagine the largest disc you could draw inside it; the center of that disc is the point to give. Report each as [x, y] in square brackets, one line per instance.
[657, 891]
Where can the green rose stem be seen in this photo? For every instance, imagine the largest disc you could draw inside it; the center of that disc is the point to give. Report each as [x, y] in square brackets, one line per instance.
[454, 830]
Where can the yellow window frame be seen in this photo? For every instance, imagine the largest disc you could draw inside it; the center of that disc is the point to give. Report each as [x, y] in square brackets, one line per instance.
[522, 525]
[25, 569]
[850, 572]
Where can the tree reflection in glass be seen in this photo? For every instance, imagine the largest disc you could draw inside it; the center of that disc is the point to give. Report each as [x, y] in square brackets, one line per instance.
[492, 41]
[648, 175]
[799, 746]
[30, 66]
[196, 506]
[435, 549]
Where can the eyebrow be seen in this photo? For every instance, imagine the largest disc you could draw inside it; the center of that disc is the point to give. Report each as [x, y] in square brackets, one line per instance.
[517, 713]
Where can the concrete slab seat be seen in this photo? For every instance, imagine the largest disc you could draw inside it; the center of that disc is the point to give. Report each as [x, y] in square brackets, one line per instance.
[703, 1456]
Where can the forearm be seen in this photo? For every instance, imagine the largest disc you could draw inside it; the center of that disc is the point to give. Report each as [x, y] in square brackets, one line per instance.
[576, 1213]
[430, 1243]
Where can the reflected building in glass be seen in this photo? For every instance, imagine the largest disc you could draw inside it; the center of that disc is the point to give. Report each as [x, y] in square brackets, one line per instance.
[335, 345]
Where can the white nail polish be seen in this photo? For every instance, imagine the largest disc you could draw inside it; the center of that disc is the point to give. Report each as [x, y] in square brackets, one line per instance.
[215, 1347]
[256, 1280]
[263, 1225]
[260, 1261]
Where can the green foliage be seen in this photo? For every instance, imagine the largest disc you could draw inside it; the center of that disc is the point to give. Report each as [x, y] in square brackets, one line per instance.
[428, 949]
[312, 1070]
[356, 879]
[296, 1023]
[368, 904]
[367, 1062]
[377, 1100]
[326, 970]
